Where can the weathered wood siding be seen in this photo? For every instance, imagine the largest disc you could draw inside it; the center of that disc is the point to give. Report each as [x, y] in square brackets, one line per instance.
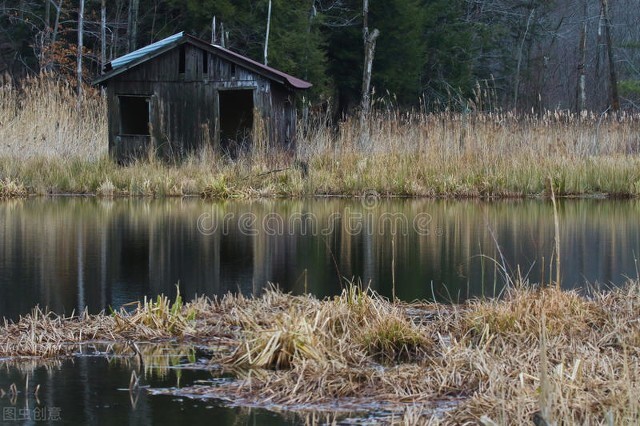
[283, 117]
[184, 108]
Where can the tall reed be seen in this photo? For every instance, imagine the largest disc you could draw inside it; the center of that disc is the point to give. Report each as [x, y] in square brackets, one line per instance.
[48, 145]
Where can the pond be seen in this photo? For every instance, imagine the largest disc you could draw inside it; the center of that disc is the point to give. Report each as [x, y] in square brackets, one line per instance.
[93, 389]
[75, 253]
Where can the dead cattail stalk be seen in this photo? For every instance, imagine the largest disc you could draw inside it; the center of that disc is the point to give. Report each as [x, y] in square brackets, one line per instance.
[556, 236]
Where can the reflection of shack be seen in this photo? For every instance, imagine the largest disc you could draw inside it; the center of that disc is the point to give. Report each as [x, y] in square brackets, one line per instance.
[180, 93]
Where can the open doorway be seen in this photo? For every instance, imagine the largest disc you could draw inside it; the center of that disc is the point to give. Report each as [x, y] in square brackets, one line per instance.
[236, 119]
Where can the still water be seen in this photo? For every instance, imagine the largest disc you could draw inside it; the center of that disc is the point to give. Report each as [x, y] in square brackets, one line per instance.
[92, 390]
[74, 253]
[71, 254]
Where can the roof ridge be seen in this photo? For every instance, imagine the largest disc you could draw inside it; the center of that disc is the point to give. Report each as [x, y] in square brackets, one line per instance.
[136, 57]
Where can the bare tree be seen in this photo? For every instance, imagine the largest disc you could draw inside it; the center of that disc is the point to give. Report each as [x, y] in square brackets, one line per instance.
[47, 15]
[103, 34]
[369, 39]
[581, 93]
[516, 88]
[132, 24]
[613, 77]
[213, 30]
[266, 37]
[80, 45]
[56, 24]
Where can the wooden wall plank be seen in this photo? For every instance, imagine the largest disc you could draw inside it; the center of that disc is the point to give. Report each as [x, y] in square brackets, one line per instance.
[184, 107]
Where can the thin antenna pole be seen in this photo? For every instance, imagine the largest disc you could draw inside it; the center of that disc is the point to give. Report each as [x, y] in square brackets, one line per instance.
[266, 38]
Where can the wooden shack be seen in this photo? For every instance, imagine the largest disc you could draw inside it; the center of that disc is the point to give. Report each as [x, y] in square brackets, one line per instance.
[178, 94]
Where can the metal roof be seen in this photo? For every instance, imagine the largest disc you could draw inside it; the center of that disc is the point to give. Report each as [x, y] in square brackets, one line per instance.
[137, 57]
[136, 54]
[293, 81]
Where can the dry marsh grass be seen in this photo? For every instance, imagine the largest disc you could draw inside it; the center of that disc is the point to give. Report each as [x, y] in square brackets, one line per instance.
[160, 316]
[11, 189]
[537, 352]
[49, 145]
[348, 330]
[40, 118]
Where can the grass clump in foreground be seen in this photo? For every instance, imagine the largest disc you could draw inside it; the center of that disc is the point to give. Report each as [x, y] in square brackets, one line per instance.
[545, 352]
[162, 316]
[416, 153]
[347, 330]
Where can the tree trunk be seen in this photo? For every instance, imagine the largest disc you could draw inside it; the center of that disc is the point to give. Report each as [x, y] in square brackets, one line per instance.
[80, 43]
[266, 37]
[213, 30]
[47, 16]
[132, 24]
[581, 94]
[369, 52]
[103, 35]
[613, 78]
[516, 88]
[115, 35]
[153, 24]
[54, 36]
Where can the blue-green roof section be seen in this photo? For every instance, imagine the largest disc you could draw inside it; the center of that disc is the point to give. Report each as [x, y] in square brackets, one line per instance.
[130, 57]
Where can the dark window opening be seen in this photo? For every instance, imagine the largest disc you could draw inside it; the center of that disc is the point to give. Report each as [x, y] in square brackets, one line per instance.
[233, 70]
[134, 115]
[236, 119]
[182, 60]
[205, 62]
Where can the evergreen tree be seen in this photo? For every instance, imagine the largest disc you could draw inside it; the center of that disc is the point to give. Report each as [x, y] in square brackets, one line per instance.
[296, 44]
[399, 55]
[448, 69]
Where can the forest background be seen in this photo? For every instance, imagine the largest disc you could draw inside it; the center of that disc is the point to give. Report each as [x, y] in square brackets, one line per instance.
[488, 55]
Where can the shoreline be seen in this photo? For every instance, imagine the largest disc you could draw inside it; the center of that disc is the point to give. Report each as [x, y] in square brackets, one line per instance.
[48, 145]
[366, 194]
[244, 180]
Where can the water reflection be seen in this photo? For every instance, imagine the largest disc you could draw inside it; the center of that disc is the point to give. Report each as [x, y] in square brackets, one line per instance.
[76, 253]
[92, 390]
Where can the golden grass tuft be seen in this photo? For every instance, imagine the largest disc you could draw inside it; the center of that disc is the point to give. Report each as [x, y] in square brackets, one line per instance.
[280, 345]
[519, 314]
[11, 189]
[348, 329]
[156, 319]
[106, 189]
[393, 339]
[218, 188]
